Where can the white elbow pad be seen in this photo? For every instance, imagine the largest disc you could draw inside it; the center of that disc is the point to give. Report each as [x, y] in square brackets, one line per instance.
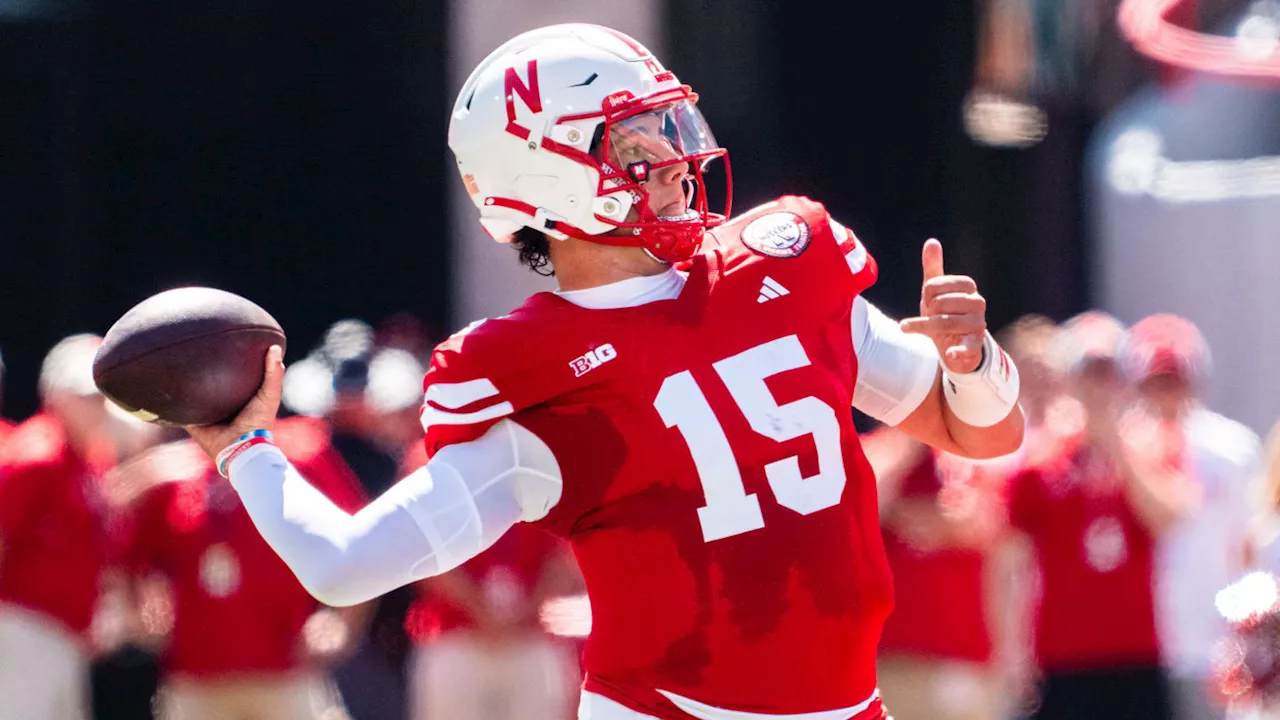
[987, 395]
[480, 489]
[896, 371]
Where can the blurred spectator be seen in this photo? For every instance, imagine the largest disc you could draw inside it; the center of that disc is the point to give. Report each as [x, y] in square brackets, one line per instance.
[1246, 666]
[125, 676]
[1091, 510]
[1167, 359]
[950, 649]
[403, 331]
[394, 395]
[52, 540]
[240, 636]
[1029, 341]
[485, 653]
[1052, 419]
[936, 651]
[370, 398]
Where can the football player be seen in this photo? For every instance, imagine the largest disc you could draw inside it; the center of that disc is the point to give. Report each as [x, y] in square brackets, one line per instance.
[679, 409]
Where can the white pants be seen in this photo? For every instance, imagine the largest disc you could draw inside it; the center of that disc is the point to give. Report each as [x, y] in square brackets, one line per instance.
[43, 669]
[458, 677]
[269, 697]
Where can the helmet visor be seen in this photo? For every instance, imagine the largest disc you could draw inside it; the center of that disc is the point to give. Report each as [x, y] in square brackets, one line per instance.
[656, 138]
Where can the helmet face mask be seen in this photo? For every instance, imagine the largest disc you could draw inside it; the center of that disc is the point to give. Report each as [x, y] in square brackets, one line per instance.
[562, 130]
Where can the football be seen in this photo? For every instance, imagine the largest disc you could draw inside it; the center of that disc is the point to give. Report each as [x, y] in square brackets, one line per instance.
[188, 356]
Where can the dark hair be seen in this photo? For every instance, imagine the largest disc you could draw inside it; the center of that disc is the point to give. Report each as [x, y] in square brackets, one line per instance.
[535, 250]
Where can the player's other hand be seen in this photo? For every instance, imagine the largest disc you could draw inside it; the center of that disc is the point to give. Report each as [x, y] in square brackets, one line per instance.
[952, 313]
[258, 414]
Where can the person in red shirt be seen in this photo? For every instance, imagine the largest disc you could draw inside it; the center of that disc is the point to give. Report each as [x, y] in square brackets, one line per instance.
[52, 540]
[943, 654]
[936, 651]
[484, 651]
[246, 640]
[688, 432]
[1091, 510]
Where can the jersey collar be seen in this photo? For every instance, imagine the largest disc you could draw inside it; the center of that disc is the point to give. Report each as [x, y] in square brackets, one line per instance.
[628, 293]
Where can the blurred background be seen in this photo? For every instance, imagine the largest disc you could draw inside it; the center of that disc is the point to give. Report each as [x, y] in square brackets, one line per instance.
[295, 154]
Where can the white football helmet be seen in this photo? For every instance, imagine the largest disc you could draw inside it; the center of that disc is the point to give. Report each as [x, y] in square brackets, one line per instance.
[559, 129]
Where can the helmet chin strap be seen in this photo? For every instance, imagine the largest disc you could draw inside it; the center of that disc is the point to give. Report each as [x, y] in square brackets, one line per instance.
[656, 258]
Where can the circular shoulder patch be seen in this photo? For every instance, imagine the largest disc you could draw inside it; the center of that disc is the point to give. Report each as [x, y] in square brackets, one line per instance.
[780, 235]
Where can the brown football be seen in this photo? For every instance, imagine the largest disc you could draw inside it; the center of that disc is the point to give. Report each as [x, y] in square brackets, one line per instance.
[188, 356]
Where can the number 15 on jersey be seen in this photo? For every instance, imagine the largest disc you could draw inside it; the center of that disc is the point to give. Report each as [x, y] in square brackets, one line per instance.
[730, 510]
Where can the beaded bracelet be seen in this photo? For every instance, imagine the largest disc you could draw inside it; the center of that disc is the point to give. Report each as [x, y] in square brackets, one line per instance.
[242, 443]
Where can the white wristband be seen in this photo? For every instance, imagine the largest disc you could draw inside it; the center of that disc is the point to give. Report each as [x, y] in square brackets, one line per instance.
[987, 395]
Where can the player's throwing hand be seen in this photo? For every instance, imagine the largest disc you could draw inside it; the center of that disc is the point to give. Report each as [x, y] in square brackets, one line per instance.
[259, 414]
[952, 313]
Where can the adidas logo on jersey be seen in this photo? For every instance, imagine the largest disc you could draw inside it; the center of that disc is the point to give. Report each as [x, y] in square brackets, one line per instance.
[771, 290]
[592, 359]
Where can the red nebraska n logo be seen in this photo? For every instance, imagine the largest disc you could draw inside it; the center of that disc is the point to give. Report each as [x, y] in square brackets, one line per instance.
[512, 86]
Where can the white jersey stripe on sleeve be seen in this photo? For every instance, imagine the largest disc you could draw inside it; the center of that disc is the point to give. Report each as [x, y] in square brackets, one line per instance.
[456, 395]
[840, 232]
[435, 416]
[855, 256]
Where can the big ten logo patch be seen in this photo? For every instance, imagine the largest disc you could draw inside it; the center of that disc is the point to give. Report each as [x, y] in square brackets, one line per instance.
[592, 359]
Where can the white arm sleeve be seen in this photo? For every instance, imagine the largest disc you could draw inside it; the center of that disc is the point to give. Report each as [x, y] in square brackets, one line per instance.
[896, 371]
[430, 522]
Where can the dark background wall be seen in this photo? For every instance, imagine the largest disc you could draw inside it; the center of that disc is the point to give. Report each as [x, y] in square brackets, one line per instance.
[291, 152]
[294, 153]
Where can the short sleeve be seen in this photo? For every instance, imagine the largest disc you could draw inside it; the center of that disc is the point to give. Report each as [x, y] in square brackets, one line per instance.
[859, 261]
[461, 397]
[798, 233]
[1025, 501]
[137, 531]
[20, 499]
[923, 480]
[492, 370]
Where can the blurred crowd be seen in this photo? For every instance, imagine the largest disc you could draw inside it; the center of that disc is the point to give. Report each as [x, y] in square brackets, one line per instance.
[133, 584]
[1078, 577]
[1074, 579]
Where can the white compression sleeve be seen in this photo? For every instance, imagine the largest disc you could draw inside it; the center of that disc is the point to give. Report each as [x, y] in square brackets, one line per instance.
[896, 371]
[430, 522]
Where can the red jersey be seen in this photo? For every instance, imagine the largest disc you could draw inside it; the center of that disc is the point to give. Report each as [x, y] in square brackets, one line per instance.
[507, 575]
[52, 524]
[715, 492]
[237, 607]
[1095, 561]
[939, 593]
